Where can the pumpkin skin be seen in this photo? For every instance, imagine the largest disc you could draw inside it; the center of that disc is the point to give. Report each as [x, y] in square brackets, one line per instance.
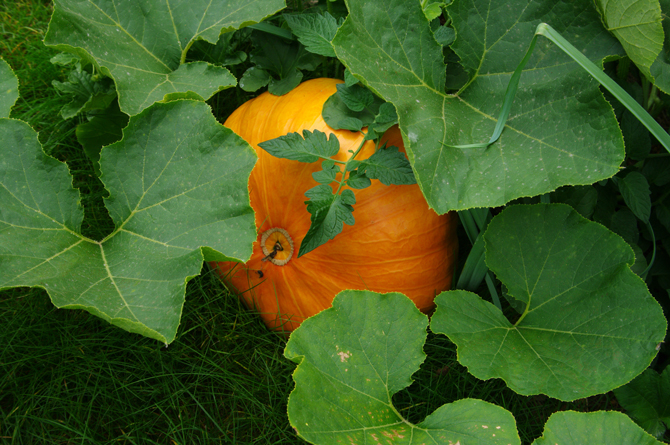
[397, 243]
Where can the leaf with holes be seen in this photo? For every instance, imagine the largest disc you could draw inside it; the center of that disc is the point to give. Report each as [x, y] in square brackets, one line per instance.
[352, 359]
[588, 323]
[177, 195]
[143, 44]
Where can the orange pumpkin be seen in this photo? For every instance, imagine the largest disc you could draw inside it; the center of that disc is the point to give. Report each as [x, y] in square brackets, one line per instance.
[396, 244]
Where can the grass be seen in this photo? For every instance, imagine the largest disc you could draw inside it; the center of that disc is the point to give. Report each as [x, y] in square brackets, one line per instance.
[67, 377]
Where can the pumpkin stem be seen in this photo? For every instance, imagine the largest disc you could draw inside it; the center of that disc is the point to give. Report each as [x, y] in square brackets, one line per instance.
[282, 246]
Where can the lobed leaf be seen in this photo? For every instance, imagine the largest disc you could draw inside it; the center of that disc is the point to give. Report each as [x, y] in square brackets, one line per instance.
[282, 58]
[389, 166]
[352, 359]
[315, 31]
[176, 182]
[328, 212]
[560, 131]
[310, 147]
[142, 44]
[589, 323]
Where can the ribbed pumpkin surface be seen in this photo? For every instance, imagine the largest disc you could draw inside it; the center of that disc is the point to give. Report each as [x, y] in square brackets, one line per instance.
[396, 245]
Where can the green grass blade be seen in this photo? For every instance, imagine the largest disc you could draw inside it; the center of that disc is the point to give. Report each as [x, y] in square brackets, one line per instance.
[631, 104]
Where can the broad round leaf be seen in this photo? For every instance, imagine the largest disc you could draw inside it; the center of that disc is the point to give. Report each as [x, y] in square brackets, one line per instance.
[599, 428]
[637, 25]
[646, 400]
[176, 182]
[560, 130]
[589, 325]
[353, 357]
[141, 44]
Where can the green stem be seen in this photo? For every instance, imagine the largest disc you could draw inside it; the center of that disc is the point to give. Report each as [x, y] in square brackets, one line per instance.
[643, 275]
[346, 164]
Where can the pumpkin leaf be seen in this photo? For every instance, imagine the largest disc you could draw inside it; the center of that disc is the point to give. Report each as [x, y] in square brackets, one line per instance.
[389, 166]
[553, 137]
[310, 147]
[601, 427]
[352, 108]
[88, 94]
[646, 399]
[254, 79]
[385, 119]
[225, 52]
[635, 191]
[282, 58]
[315, 31]
[432, 8]
[589, 324]
[660, 69]
[356, 97]
[9, 89]
[279, 87]
[349, 78]
[352, 359]
[637, 25]
[142, 45]
[582, 198]
[177, 195]
[329, 211]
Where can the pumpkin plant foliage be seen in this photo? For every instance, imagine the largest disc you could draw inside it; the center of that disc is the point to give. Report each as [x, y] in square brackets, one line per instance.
[560, 130]
[9, 89]
[177, 195]
[646, 399]
[353, 357]
[586, 325]
[143, 44]
[601, 427]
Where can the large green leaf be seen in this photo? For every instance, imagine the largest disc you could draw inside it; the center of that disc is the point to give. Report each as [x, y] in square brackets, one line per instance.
[560, 130]
[637, 25]
[647, 400]
[660, 69]
[589, 324]
[353, 357]
[142, 44]
[176, 182]
[599, 428]
[9, 89]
